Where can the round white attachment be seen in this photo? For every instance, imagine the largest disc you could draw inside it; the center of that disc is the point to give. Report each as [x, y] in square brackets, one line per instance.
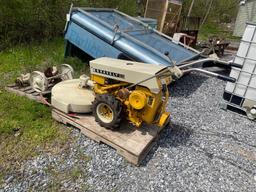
[90, 83]
[105, 113]
[68, 97]
[38, 81]
[83, 81]
[67, 72]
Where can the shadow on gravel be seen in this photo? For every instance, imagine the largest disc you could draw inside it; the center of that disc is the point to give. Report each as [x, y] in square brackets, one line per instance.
[225, 136]
[187, 85]
[173, 136]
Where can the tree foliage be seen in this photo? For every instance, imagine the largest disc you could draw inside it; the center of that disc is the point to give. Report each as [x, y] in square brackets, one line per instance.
[220, 10]
[29, 20]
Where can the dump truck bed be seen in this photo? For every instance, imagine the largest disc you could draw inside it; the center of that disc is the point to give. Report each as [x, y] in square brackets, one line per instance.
[110, 33]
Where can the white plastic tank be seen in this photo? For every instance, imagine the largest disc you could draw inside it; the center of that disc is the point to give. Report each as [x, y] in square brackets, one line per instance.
[245, 86]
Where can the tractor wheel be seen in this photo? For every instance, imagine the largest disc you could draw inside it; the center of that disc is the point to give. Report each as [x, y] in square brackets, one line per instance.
[107, 111]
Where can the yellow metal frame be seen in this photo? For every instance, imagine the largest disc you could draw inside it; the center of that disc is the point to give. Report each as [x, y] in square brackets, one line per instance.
[142, 105]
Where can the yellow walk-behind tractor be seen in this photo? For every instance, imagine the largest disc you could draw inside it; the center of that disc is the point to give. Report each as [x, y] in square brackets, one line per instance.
[118, 89]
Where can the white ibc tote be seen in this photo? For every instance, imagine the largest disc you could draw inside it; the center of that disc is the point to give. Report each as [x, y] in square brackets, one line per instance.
[243, 91]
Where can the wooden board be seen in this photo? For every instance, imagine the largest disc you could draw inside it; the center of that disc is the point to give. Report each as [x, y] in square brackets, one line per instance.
[157, 9]
[166, 12]
[24, 91]
[28, 92]
[172, 19]
[133, 144]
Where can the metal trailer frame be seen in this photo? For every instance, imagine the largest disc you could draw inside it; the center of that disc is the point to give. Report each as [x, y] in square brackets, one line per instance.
[97, 38]
[101, 32]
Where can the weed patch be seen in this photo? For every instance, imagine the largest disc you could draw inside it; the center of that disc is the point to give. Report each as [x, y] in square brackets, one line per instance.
[26, 127]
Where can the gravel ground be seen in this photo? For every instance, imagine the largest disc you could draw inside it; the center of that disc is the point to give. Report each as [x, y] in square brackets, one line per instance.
[204, 149]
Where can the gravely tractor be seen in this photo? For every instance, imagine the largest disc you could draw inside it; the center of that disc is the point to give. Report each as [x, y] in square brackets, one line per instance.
[120, 89]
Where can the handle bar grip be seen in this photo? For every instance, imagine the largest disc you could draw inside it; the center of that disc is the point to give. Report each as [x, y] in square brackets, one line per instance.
[226, 78]
[236, 65]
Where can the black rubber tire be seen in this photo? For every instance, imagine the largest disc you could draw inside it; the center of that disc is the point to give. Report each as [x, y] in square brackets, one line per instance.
[114, 104]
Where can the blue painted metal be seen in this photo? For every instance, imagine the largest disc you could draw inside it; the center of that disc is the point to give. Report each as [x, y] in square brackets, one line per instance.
[108, 32]
[151, 22]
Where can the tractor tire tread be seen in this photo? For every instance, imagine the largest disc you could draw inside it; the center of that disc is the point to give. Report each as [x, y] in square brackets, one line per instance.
[114, 104]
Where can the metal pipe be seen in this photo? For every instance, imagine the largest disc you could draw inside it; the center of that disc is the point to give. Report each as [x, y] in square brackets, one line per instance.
[166, 72]
[161, 34]
[200, 61]
[222, 77]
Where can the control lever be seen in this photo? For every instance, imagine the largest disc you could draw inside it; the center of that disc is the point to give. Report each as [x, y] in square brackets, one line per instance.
[236, 65]
[209, 62]
[218, 76]
[177, 72]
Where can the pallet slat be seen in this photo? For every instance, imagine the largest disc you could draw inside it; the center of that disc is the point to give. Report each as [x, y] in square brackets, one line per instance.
[133, 144]
[24, 91]
[25, 88]
[30, 91]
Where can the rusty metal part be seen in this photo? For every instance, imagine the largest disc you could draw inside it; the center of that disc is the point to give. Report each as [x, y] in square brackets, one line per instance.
[184, 38]
[41, 82]
[214, 45]
[123, 93]
[51, 71]
[23, 80]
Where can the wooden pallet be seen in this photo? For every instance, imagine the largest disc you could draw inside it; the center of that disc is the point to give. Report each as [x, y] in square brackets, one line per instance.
[28, 92]
[133, 144]
[24, 91]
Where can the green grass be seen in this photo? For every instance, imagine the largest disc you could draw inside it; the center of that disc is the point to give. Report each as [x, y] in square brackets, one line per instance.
[37, 56]
[213, 29]
[58, 177]
[26, 127]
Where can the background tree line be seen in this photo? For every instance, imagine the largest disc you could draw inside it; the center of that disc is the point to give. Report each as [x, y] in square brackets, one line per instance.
[220, 10]
[30, 20]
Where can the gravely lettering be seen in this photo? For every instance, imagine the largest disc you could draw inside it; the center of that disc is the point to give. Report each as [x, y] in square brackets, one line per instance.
[109, 73]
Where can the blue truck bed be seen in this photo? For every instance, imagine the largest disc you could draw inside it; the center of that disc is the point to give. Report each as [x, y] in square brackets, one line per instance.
[110, 33]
